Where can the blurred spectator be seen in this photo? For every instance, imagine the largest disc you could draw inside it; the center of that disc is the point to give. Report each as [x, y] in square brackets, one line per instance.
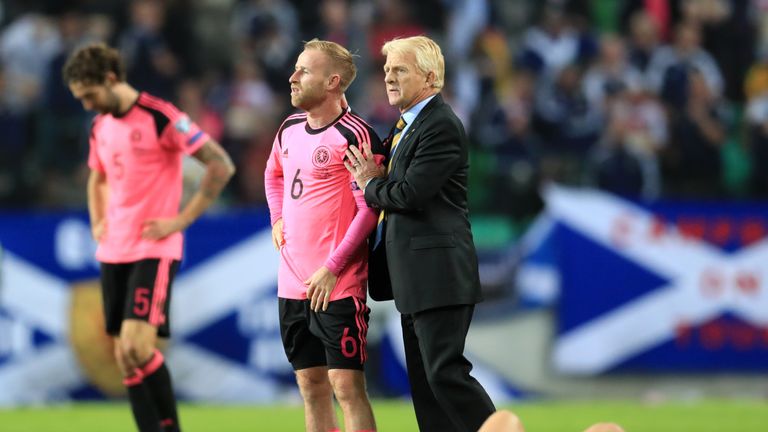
[251, 102]
[669, 66]
[656, 14]
[13, 130]
[626, 160]
[27, 46]
[62, 124]
[758, 9]
[756, 82]
[554, 44]
[693, 166]
[151, 64]
[724, 25]
[250, 120]
[338, 24]
[644, 40]
[514, 16]
[266, 32]
[374, 107]
[566, 119]
[191, 100]
[487, 73]
[611, 68]
[179, 33]
[466, 19]
[757, 126]
[392, 18]
[503, 130]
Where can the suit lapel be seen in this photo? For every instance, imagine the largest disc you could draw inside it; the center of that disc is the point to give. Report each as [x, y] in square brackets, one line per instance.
[405, 141]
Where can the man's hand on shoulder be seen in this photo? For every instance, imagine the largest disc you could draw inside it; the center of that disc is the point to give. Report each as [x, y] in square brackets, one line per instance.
[363, 165]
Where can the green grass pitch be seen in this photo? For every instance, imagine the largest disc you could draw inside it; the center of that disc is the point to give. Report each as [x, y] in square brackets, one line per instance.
[695, 416]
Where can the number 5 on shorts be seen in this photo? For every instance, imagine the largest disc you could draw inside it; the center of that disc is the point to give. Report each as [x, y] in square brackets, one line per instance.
[141, 301]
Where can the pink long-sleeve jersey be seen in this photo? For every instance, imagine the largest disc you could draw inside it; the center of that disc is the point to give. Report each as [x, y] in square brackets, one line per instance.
[325, 219]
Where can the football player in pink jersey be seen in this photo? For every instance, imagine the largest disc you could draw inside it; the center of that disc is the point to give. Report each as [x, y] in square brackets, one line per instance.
[137, 144]
[320, 227]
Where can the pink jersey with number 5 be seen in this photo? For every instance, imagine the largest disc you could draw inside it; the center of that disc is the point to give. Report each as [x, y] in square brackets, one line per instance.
[140, 152]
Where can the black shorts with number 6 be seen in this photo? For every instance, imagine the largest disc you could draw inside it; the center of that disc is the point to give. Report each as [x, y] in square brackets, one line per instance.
[138, 290]
[333, 338]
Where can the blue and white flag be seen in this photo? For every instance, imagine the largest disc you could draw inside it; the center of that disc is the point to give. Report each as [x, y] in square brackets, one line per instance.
[658, 287]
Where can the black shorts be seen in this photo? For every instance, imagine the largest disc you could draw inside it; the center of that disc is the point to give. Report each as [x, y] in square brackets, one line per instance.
[139, 290]
[333, 338]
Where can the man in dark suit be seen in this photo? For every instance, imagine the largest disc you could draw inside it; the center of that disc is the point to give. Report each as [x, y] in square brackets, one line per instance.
[423, 255]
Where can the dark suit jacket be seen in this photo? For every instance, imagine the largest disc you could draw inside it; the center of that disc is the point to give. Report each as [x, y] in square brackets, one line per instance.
[427, 258]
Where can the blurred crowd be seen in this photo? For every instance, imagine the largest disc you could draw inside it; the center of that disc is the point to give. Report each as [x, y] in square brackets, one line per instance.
[645, 98]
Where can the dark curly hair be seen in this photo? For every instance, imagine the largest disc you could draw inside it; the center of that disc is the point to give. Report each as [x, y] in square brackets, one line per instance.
[90, 64]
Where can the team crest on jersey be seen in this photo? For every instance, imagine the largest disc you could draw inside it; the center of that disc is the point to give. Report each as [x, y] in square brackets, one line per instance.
[135, 135]
[321, 157]
[183, 125]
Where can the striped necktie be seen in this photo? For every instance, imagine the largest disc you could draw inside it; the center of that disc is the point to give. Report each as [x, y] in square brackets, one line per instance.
[383, 214]
[395, 141]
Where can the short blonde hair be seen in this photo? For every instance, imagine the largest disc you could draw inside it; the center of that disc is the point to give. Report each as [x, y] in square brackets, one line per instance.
[429, 57]
[341, 60]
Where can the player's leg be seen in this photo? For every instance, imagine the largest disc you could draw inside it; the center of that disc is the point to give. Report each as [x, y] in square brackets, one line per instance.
[114, 285]
[146, 318]
[604, 427]
[343, 329]
[143, 405]
[144, 412]
[349, 388]
[319, 415]
[306, 354]
[138, 346]
[502, 421]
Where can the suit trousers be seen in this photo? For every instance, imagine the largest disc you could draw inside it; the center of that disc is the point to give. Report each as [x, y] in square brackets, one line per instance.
[445, 397]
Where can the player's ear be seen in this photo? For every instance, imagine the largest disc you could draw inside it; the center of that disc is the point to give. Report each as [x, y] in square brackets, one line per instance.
[110, 78]
[334, 81]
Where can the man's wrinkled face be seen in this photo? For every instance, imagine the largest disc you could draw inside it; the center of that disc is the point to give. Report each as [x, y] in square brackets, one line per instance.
[405, 82]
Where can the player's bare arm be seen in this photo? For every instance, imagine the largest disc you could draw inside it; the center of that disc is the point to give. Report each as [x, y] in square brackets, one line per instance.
[219, 169]
[97, 203]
